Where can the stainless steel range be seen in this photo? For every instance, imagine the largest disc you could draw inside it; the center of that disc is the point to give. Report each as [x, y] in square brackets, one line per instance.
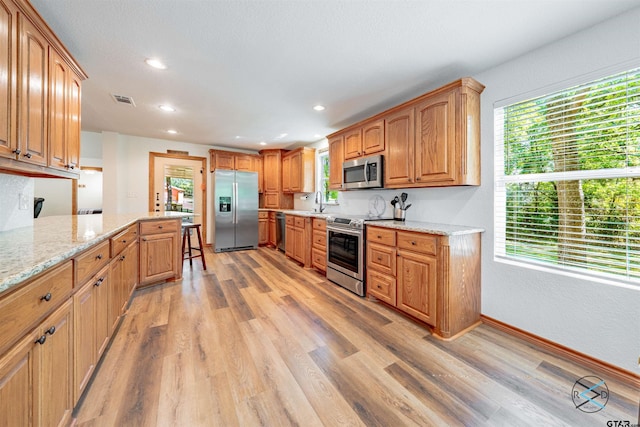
[346, 251]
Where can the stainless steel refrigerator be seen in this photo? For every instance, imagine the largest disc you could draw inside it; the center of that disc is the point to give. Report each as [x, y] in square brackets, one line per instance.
[235, 198]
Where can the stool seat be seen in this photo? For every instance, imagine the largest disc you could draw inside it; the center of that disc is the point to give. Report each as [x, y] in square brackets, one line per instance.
[186, 236]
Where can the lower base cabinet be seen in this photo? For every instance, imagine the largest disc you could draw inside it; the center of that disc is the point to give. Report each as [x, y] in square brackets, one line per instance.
[37, 374]
[123, 279]
[160, 251]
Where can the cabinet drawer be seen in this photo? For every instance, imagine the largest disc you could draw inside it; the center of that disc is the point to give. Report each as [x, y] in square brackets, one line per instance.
[320, 239]
[319, 224]
[425, 243]
[123, 239]
[23, 309]
[263, 215]
[289, 220]
[299, 222]
[319, 259]
[381, 258]
[381, 286]
[160, 226]
[381, 235]
[91, 261]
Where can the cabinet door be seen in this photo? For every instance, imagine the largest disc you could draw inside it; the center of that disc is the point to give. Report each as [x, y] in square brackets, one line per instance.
[299, 245]
[131, 264]
[224, 160]
[58, 96]
[436, 139]
[116, 279]
[17, 388]
[157, 257]
[399, 136]
[296, 178]
[244, 163]
[272, 229]
[336, 158]
[55, 360]
[32, 94]
[417, 278]
[373, 137]
[84, 317]
[7, 83]
[353, 144]
[263, 231]
[272, 168]
[257, 167]
[73, 121]
[290, 241]
[286, 174]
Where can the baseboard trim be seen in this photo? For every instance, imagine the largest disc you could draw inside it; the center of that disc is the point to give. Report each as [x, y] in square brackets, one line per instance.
[620, 374]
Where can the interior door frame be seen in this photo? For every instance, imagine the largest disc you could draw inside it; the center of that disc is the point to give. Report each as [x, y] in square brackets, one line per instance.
[203, 160]
[74, 188]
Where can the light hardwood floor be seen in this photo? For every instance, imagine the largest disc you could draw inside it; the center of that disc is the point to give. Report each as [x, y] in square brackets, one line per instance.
[258, 341]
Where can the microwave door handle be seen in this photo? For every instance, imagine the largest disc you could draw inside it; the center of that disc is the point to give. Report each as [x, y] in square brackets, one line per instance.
[366, 171]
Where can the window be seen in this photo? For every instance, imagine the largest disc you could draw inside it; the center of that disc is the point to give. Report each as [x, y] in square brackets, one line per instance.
[330, 196]
[568, 179]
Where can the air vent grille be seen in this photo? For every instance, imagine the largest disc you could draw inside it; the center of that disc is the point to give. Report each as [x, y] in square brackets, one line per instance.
[121, 99]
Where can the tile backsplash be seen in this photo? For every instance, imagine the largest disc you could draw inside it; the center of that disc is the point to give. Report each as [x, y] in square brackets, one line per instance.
[11, 188]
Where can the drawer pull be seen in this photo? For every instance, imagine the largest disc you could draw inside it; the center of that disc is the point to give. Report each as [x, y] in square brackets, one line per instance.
[124, 241]
[99, 256]
[51, 330]
[378, 286]
[17, 152]
[379, 258]
[99, 282]
[28, 155]
[159, 226]
[46, 297]
[41, 340]
[379, 236]
[122, 258]
[413, 242]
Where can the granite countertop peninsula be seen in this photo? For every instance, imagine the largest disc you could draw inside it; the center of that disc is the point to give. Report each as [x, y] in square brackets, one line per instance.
[311, 214]
[428, 227]
[27, 251]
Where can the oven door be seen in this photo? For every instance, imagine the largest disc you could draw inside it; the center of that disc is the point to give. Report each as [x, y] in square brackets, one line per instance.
[344, 251]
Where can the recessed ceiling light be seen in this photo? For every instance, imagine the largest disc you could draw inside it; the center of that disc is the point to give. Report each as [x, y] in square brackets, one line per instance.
[172, 131]
[317, 135]
[263, 143]
[168, 108]
[155, 63]
[238, 137]
[318, 107]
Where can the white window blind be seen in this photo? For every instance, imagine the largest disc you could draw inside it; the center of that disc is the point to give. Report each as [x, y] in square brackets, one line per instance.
[568, 178]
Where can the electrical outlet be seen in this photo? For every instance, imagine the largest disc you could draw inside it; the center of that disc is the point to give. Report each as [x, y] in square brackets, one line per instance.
[23, 202]
[131, 195]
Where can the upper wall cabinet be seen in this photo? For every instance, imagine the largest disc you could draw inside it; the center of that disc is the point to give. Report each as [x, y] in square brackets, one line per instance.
[299, 170]
[336, 158]
[230, 160]
[430, 141]
[40, 95]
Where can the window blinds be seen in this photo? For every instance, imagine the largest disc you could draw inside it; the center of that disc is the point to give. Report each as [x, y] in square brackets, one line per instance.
[568, 178]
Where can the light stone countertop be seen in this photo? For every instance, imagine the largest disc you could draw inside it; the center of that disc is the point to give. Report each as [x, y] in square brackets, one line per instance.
[27, 251]
[427, 227]
[298, 212]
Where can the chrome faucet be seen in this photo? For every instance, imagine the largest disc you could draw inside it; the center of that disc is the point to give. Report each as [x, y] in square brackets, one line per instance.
[319, 201]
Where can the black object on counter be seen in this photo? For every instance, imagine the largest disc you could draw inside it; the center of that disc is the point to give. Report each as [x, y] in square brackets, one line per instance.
[37, 206]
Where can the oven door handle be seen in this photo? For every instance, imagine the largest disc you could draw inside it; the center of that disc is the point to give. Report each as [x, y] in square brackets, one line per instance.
[356, 233]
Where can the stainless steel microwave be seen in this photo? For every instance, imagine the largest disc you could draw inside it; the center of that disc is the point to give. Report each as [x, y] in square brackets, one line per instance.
[365, 172]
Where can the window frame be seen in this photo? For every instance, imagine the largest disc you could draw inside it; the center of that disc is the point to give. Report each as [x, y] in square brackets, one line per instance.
[321, 179]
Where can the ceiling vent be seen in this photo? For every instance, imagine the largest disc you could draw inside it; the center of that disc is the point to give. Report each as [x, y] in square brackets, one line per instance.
[121, 99]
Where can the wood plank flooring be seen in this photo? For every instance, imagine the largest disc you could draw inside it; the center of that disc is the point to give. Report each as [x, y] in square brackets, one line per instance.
[258, 341]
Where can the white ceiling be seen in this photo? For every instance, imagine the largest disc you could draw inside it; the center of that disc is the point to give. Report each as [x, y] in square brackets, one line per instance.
[244, 71]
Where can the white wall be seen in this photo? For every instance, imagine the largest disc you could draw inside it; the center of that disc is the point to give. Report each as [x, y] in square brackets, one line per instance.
[57, 194]
[125, 161]
[11, 216]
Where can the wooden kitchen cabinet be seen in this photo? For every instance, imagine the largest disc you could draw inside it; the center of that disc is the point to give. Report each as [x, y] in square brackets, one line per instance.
[36, 374]
[40, 96]
[400, 138]
[298, 240]
[263, 228]
[432, 278]
[91, 328]
[353, 144]
[123, 277]
[373, 138]
[299, 170]
[8, 58]
[64, 114]
[33, 107]
[272, 229]
[336, 158]
[319, 244]
[257, 167]
[160, 250]
[273, 196]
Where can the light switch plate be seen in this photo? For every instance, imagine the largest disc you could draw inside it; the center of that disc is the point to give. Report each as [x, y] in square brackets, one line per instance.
[23, 202]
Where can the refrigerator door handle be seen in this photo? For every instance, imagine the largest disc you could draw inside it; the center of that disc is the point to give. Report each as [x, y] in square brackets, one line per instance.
[234, 203]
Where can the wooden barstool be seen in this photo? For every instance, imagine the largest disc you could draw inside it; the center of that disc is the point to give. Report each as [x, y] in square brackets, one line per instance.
[186, 231]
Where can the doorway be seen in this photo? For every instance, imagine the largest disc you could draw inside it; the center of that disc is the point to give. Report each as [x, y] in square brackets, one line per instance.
[177, 183]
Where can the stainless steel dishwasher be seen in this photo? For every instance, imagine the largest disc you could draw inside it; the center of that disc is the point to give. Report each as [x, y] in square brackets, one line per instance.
[280, 231]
